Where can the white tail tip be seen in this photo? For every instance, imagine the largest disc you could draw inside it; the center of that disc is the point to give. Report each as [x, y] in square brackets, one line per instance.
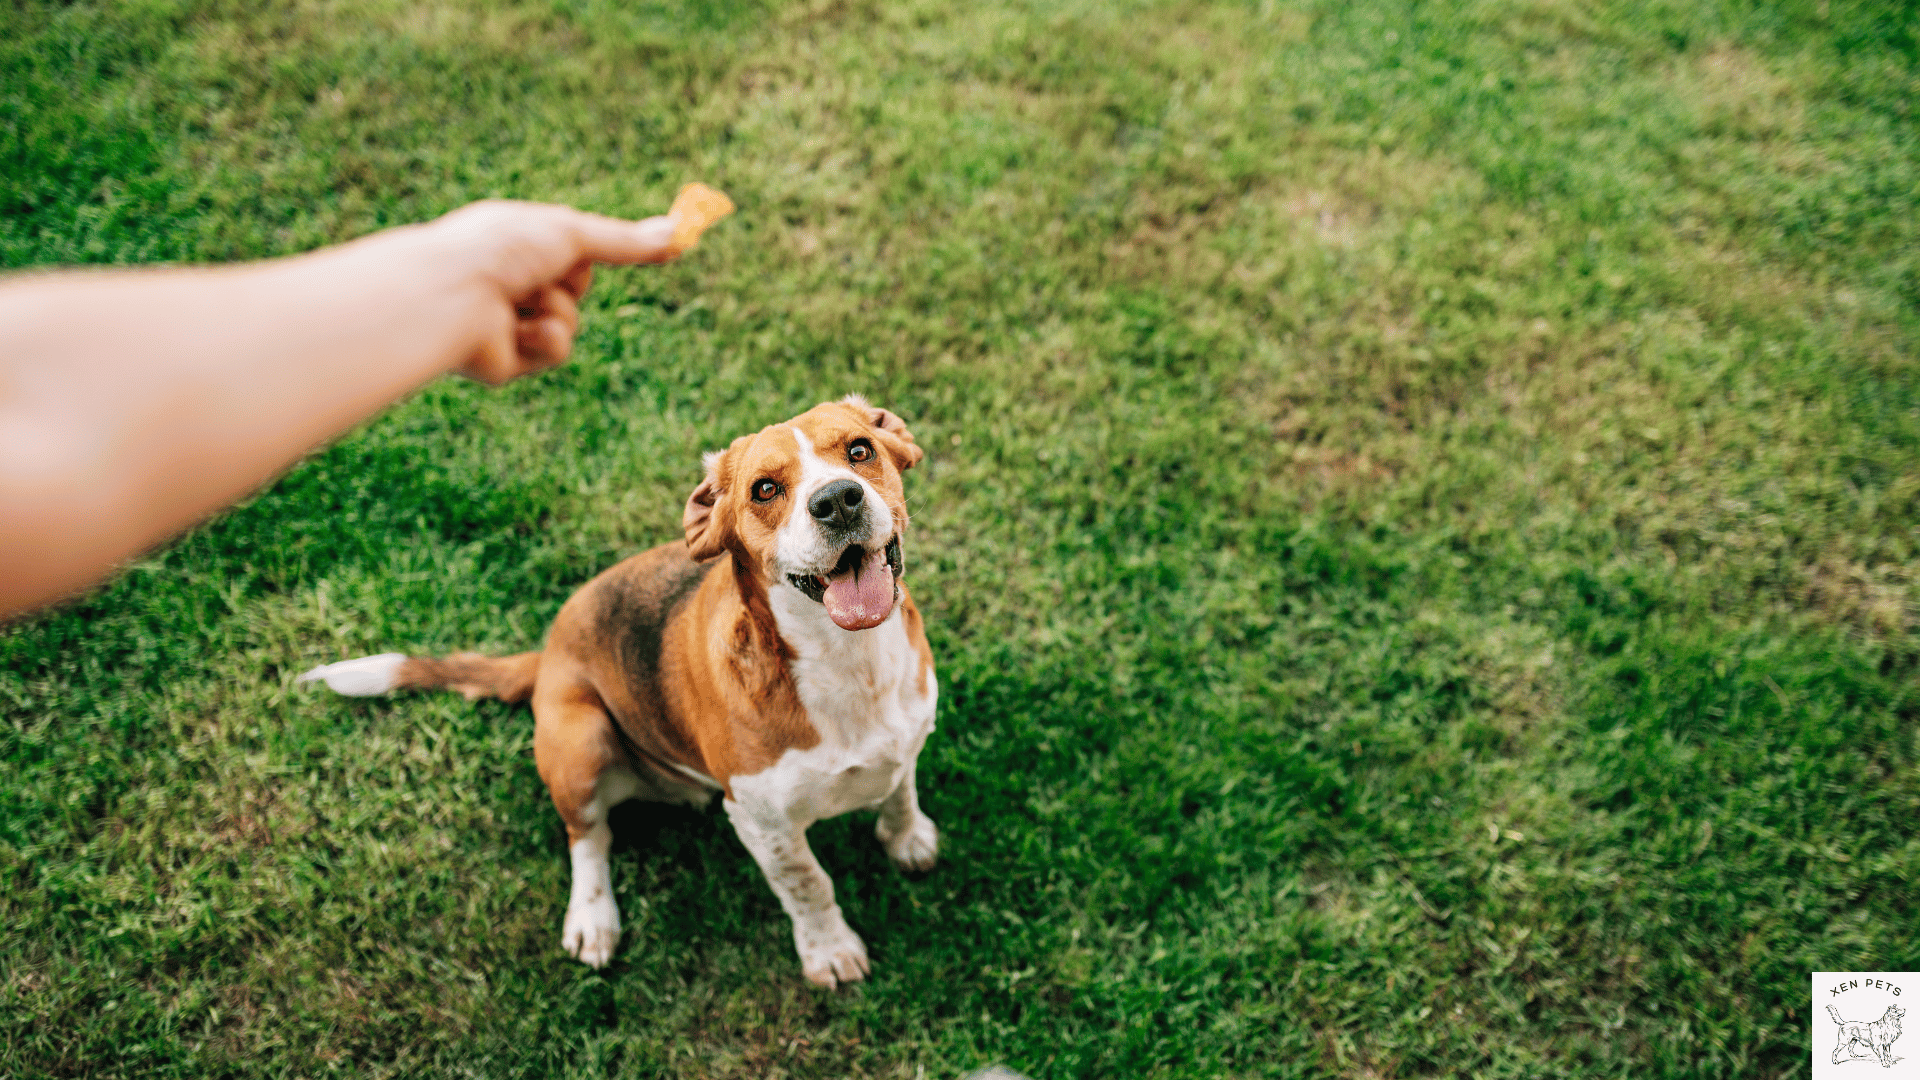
[365, 676]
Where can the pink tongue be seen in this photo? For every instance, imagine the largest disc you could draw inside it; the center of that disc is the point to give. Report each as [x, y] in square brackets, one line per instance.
[861, 598]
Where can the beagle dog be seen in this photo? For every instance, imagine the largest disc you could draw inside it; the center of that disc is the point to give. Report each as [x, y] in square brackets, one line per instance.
[773, 657]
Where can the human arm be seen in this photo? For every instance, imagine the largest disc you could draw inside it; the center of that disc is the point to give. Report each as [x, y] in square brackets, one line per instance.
[134, 403]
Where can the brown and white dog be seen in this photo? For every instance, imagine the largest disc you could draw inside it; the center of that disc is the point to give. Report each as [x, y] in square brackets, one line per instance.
[774, 657]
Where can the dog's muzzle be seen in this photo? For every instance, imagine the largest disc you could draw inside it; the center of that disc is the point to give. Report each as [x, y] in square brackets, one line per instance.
[860, 590]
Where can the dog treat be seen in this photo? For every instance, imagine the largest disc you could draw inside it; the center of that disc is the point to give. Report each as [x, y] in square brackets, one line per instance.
[696, 207]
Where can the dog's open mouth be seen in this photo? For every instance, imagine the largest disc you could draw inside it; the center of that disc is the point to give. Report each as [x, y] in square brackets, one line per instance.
[859, 591]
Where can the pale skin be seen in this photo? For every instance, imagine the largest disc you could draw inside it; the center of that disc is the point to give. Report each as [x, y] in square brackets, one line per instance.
[135, 403]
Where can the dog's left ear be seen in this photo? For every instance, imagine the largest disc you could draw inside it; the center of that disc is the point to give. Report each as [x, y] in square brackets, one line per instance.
[894, 435]
[705, 522]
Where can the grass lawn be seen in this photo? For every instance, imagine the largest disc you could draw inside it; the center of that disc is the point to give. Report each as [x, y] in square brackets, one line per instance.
[1421, 536]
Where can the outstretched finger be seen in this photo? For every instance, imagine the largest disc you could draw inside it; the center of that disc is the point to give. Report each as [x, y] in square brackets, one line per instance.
[610, 240]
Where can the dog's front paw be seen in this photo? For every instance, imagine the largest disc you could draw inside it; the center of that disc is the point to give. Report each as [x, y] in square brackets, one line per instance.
[915, 847]
[830, 952]
[592, 930]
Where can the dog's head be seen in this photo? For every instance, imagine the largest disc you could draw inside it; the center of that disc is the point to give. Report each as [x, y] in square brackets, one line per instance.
[814, 504]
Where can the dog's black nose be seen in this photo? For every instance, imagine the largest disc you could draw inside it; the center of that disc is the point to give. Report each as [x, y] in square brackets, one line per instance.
[836, 504]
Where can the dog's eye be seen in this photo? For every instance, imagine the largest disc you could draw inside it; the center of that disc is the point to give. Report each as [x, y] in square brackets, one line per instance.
[860, 451]
[764, 490]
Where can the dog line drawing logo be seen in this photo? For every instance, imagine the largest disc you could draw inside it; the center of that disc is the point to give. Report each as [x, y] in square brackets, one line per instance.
[1863, 1039]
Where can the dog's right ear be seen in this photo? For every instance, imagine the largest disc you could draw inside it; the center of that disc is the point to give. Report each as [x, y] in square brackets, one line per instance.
[706, 521]
[893, 431]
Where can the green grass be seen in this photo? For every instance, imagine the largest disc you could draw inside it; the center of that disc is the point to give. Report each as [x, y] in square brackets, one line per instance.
[1419, 537]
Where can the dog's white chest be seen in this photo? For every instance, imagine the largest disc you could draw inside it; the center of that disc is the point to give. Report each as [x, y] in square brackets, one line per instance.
[864, 695]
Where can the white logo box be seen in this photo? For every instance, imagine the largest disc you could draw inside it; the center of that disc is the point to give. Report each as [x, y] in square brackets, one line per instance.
[1874, 1038]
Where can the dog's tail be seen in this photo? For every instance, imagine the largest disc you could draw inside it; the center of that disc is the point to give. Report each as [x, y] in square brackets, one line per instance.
[509, 678]
[1835, 1013]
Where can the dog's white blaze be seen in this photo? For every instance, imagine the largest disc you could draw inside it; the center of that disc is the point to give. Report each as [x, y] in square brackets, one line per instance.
[798, 546]
[365, 676]
[592, 926]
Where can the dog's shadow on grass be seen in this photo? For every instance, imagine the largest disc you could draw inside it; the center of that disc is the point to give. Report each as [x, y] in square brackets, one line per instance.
[671, 840]
[687, 837]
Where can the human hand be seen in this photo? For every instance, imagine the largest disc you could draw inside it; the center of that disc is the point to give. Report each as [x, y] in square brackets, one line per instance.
[523, 267]
[135, 402]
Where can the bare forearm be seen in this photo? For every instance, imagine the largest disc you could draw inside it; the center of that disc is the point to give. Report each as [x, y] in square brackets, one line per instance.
[133, 404]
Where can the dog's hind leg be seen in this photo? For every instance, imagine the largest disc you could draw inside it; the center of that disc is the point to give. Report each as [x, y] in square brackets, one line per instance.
[577, 752]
